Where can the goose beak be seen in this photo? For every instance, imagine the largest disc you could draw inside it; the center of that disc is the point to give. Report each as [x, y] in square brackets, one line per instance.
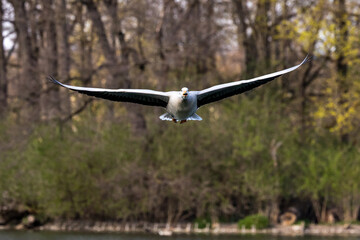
[184, 92]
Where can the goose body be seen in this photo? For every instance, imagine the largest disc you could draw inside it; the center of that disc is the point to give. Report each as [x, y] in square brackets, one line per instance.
[180, 108]
[180, 105]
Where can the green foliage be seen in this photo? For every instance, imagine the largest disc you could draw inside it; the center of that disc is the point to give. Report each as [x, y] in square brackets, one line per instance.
[305, 222]
[254, 142]
[324, 174]
[202, 222]
[259, 221]
[89, 169]
[71, 175]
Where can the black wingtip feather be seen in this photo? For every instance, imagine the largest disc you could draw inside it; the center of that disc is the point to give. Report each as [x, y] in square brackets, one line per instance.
[52, 79]
[308, 58]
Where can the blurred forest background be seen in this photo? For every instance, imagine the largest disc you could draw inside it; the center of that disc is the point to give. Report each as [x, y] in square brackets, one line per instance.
[293, 143]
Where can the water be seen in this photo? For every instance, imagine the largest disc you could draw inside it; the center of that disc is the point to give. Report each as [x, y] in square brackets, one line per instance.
[28, 235]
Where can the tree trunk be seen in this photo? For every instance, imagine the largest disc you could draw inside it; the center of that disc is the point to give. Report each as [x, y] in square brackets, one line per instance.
[85, 48]
[30, 87]
[164, 65]
[283, 49]
[341, 39]
[320, 209]
[274, 200]
[351, 206]
[49, 100]
[341, 42]
[209, 42]
[246, 41]
[262, 33]
[3, 76]
[116, 70]
[62, 40]
[112, 7]
[109, 53]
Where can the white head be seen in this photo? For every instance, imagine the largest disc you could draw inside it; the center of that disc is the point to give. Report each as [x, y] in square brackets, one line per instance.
[184, 92]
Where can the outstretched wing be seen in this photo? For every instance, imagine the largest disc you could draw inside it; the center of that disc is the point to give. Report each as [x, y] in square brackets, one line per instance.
[140, 96]
[222, 91]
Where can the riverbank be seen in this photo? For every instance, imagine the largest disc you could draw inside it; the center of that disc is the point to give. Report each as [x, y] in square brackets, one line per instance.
[188, 228]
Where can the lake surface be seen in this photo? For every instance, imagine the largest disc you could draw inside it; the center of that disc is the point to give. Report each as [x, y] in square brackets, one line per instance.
[28, 235]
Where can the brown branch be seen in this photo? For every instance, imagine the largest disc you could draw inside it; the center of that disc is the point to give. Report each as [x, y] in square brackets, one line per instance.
[78, 111]
[9, 33]
[312, 76]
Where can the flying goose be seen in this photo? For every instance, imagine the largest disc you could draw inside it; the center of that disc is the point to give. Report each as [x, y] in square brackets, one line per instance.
[180, 105]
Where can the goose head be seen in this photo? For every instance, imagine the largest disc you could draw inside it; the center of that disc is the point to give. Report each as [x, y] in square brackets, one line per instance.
[184, 92]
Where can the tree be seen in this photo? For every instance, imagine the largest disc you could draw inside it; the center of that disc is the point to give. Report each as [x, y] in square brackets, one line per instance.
[3, 76]
[51, 109]
[30, 88]
[63, 51]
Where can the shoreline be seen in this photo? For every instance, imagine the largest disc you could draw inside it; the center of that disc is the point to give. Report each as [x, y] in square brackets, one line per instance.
[189, 228]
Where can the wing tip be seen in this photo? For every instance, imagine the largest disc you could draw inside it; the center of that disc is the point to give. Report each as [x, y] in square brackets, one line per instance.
[307, 59]
[53, 80]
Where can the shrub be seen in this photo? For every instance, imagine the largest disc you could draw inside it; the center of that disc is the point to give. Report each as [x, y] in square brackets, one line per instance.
[202, 222]
[305, 222]
[259, 221]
